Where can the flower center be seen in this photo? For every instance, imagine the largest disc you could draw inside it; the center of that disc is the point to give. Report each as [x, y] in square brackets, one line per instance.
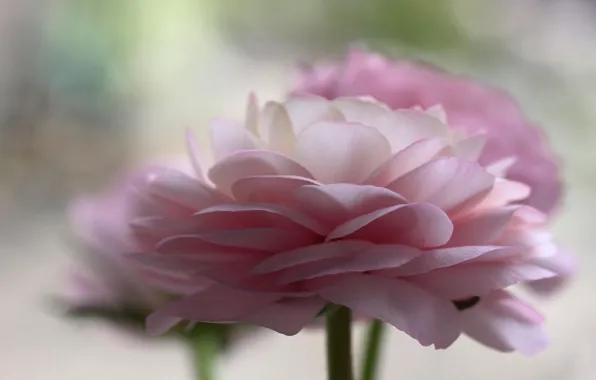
[466, 303]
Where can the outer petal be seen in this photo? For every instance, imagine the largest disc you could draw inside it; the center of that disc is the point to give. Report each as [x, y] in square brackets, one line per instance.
[450, 183]
[478, 279]
[481, 229]
[341, 152]
[238, 216]
[406, 160]
[337, 203]
[563, 263]
[228, 137]
[428, 319]
[178, 188]
[505, 323]
[276, 189]
[303, 255]
[440, 258]
[253, 163]
[417, 224]
[306, 110]
[278, 128]
[216, 304]
[287, 316]
[262, 239]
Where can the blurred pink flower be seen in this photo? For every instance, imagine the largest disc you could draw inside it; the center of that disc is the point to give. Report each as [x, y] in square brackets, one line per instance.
[469, 106]
[107, 278]
[311, 202]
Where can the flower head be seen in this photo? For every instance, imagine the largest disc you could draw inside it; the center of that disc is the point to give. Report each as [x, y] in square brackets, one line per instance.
[470, 107]
[311, 202]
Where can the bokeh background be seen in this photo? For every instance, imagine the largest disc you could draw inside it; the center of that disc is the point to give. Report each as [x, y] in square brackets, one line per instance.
[90, 87]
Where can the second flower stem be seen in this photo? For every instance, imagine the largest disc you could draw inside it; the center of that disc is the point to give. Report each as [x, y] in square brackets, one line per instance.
[339, 344]
[374, 340]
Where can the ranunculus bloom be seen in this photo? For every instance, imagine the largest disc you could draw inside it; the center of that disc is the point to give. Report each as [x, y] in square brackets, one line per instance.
[470, 107]
[107, 278]
[311, 202]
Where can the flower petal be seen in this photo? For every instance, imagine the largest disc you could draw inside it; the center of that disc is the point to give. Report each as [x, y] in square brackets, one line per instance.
[479, 229]
[229, 137]
[278, 128]
[503, 193]
[428, 319]
[439, 258]
[276, 189]
[196, 159]
[341, 152]
[263, 239]
[471, 147]
[478, 279]
[505, 323]
[252, 114]
[450, 183]
[287, 316]
[406, 160]
[242, 216]
[308, 109]
[417, 224]
[336, 203]
[225, 304]
[303, 255]
[178, 189]
[379, 257]
[253, 163]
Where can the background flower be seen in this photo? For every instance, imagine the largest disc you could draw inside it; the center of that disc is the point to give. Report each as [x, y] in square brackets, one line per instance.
[469, 106]
[311, 202]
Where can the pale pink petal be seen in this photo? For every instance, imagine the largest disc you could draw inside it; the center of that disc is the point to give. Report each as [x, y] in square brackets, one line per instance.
[195, 156]
[439, 258]
[278, 128]
[216, 304]
[338, 152]
[380, 258]
[337, 203]
[306, 110]
[265, 239]
[421, 315]
[406, 160]
[287, 316]
[505, 323]
[500, 167]
[276, 189]
[241, 216]
[483, 228]
[252, 114]
[450, 183]
[229, 137]
[504, 192]
[253, 163]
[417, 224]
[179, 188]
[202, 249]
[471, 147]
[563, 263]
[303, 255]
[478, 279]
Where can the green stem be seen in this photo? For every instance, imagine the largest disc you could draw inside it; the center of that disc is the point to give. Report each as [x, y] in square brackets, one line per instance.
[373, 348]
[339, 344]
[206, 347]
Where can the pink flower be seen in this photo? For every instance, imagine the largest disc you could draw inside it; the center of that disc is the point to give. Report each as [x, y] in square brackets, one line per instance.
[470, 107]
[311, 202]
[107, 278]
